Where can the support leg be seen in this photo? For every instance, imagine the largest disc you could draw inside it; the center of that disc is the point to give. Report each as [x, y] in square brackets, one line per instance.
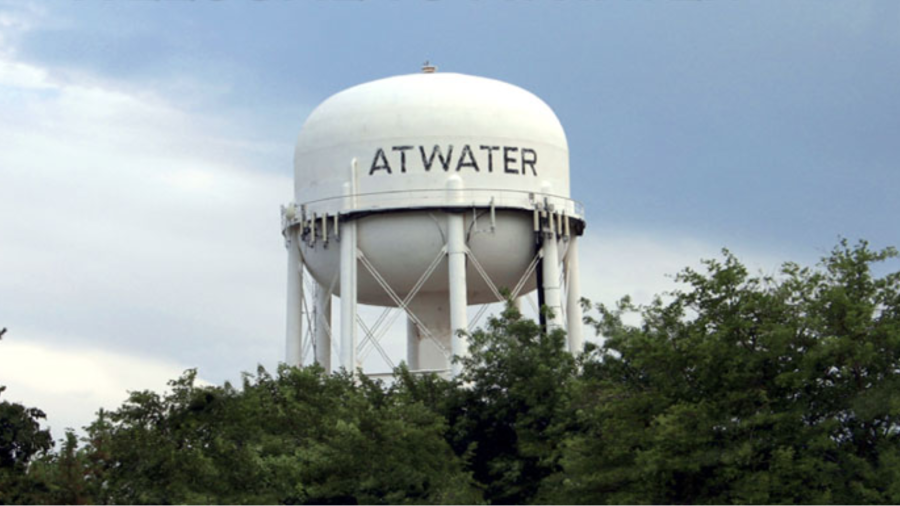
[323, 328]
[348, 296]
[550, 273]
[575, 325]
[294, 324]
[456, 259]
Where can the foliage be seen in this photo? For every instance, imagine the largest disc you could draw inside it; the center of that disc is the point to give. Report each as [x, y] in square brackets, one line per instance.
[513, 405]
[506, 413]
[299, 437]
[735, 389]
[744, 389]
[21, 440]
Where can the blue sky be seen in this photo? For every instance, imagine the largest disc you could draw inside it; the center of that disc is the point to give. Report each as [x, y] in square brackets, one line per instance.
[742, 121]
[145, 147]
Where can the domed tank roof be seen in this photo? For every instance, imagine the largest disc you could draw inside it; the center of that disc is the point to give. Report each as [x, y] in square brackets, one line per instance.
[408, 135]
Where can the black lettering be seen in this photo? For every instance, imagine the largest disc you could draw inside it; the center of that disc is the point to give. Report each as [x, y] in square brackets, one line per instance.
[507, 159]
[384, 165]
[529, 161]
[462, 156]
[445, 162]
[490, 151]
[402, 150]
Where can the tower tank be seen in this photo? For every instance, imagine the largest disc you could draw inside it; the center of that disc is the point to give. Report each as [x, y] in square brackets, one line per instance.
[428, 192]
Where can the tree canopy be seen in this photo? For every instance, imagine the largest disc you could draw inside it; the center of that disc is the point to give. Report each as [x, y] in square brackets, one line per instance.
[737, 388]
[21, 440]
[745, 389]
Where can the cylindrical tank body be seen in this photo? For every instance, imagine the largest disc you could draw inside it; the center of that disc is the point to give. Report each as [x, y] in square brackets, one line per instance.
[412, 149]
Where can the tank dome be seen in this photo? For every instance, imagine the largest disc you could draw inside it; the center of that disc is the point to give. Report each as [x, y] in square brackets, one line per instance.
[407, 135]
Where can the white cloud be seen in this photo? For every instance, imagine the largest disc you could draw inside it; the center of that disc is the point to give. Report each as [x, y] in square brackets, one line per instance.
[132, 226]
[71, 383]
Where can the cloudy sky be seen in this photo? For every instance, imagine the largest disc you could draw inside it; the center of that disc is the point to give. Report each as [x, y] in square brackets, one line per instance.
[145, 148]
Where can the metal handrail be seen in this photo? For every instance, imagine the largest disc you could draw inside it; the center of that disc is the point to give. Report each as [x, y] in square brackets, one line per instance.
[579, 206]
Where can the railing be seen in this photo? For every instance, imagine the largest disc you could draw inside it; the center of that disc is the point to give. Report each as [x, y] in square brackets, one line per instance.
[466, 197]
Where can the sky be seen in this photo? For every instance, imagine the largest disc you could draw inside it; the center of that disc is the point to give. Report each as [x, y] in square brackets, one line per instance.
[146, 146]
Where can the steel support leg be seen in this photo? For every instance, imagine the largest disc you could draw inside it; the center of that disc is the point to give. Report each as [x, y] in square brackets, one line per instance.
[323, 328]
[550, 274]
[575, 325]
[456, 260]
[294, 324]
[348, 296]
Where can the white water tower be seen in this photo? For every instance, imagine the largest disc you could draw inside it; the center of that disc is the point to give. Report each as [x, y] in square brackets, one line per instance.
[428, 193]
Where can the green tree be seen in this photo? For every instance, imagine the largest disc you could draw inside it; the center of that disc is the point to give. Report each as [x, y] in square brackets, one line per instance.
[507, 411]
[21, 440]
[744, 389]
[299, 437]
[64, 476]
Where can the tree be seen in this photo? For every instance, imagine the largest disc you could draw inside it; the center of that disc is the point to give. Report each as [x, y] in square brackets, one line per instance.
[507, 411]
[21, 440]
[299, 437]
[63, 476]
[744, 389]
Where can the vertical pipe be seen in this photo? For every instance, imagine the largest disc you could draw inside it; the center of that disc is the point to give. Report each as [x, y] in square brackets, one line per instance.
[348, 292]
[456, 260]
[294, 324]
[456, 269]
[412, 345]
[539, 269]
[575, 325]
[550, 274]
[323, 327]
[539, 276]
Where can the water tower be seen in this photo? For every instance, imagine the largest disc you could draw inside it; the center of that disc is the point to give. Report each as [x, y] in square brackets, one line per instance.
[428, 193]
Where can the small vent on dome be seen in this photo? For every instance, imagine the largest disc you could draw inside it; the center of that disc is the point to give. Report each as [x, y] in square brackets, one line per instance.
[428, 68]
